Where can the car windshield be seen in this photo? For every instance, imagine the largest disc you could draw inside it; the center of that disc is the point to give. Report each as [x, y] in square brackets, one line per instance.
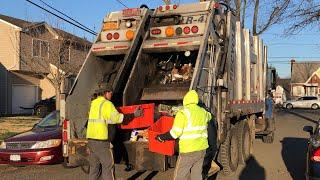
[51, 120]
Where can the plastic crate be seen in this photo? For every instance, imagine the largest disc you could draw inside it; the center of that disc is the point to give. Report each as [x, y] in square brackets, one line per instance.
[139, 122]
[163, 125]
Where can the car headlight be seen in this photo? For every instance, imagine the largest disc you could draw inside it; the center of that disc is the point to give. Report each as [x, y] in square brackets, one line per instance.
[3, 145]
[46, 144]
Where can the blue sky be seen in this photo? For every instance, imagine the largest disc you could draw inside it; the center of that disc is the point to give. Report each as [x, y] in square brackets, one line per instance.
[91, 13]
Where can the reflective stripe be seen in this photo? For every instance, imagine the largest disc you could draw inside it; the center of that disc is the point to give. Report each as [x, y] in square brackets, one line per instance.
[188, 114]
[101, 108]
[177, 129]
[194, 136]
[96, 121]
[173, 134]
[116, 117]
[195, 128]
[109, 121]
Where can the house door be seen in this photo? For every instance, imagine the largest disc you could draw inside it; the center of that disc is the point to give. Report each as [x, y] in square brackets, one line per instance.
[23, 96]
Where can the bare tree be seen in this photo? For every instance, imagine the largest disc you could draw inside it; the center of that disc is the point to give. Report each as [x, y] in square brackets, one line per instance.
[46, 51]
[303, 71]
[306, 14]
[264, 13]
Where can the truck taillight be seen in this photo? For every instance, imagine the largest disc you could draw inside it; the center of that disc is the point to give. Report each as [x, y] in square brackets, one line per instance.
[167, 7]
[65, 136]
[186, 30]
[109, 36]
[316, 155]
[169, 31]
[65, 124]
[178, 30]
[116, 36]
[216, 5]
[194, 29]
[65, 130]
[155, 31]
[129, 34]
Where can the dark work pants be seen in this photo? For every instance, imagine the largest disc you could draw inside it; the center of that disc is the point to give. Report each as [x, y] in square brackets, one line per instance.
[212, 150]
[101, 160]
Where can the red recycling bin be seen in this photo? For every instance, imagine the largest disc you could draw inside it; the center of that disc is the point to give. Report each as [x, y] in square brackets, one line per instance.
[163, 125]
[139, 122]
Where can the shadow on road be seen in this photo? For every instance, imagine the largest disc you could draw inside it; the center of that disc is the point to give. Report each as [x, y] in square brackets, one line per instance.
[294, 152]
[136, 175]
[302, 116]
[140, 173]
[252, 170]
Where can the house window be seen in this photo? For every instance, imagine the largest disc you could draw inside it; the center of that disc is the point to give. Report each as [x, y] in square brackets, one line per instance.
[299, 92]
[40, 48]
[64, 52]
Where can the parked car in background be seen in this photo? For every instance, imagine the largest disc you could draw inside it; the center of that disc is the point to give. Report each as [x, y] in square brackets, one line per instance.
[312, 102]
[40, 145]
[44, 107]
[313, 152]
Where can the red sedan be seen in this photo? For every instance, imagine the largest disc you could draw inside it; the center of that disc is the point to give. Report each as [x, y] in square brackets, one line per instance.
[40, 145]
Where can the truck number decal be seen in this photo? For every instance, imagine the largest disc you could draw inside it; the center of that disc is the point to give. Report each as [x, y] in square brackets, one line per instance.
[192, 19]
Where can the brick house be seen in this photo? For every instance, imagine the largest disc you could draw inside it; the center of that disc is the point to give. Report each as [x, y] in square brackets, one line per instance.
[28, 51]
[305, 78]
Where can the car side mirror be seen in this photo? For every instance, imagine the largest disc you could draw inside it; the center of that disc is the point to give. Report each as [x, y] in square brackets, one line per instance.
[308, 129]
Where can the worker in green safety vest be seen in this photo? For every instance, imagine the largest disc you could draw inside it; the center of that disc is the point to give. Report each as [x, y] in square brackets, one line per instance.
[190, 126]
[103, 112]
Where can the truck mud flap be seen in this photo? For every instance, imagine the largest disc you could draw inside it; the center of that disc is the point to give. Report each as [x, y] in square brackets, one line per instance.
[78, 152]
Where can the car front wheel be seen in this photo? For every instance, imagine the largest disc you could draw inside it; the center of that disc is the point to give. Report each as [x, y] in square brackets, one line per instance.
[314, 106]
[289, 106]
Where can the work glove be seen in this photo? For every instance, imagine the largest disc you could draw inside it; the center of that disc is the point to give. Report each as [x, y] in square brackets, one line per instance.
[158, 138]
[138, 112]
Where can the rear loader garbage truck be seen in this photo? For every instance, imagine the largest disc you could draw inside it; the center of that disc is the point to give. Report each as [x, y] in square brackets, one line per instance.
[197, 46]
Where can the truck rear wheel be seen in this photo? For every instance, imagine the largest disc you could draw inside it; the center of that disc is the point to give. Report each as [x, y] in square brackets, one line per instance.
[228, 154]
[244, 139]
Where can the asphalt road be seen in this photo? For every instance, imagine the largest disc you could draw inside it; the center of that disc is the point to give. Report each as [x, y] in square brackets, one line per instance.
[284, 159]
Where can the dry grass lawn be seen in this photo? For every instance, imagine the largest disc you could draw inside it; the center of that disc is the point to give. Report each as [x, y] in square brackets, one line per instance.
[10, 126]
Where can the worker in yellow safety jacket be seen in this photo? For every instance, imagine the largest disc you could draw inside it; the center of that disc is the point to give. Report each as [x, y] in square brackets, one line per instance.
[190, 126]
[103, 112]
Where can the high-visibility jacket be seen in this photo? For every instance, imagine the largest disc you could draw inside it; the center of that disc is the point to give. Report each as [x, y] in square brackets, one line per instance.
[102, 112]
[190, 125]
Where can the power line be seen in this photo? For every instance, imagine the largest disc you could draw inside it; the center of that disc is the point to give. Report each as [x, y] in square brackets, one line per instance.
[288, 35]
[66, 15]
[122, 3]
[294, 57]
[294, 44]
[93, 33]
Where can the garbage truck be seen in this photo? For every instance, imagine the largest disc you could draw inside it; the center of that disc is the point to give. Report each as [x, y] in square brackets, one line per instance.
[196, 46]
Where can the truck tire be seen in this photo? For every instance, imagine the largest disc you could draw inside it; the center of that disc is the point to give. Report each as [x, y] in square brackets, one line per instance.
[228, 154]
[66, 164]
[85, 168]
[244, 139]
[268, 138]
